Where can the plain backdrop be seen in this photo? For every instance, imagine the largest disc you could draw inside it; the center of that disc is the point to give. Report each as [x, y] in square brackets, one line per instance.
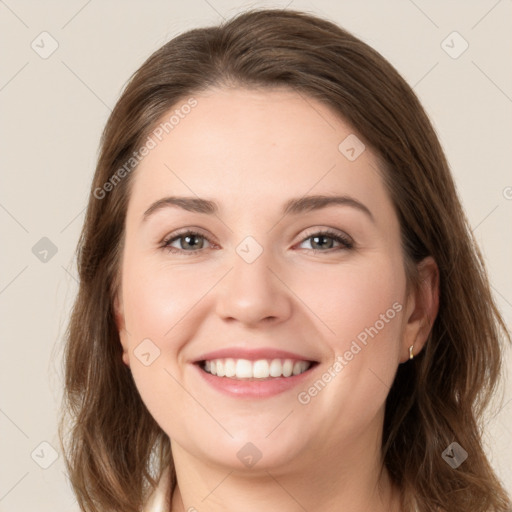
[63, 67]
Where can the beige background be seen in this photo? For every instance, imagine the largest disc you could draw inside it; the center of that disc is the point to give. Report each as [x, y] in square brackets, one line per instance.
[54, 108]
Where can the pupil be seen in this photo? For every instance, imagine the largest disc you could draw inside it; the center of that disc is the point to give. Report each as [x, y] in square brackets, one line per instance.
[190, 237]
[316, 238]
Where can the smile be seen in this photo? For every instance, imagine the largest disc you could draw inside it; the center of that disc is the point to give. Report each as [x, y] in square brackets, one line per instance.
[260, 369]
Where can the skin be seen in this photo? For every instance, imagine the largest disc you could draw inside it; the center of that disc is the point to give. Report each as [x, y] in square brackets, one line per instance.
[250, 151]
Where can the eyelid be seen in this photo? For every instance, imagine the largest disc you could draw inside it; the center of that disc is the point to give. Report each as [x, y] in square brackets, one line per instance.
[330, 232]
[181, 233]
[337, 235]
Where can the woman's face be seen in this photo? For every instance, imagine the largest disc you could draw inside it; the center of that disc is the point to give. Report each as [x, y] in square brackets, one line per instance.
[309, 328]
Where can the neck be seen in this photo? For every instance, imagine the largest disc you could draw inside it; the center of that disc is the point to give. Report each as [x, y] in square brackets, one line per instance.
[349, 479]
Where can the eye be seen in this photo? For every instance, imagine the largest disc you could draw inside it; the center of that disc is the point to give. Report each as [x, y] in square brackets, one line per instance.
[187, 242]
[191, 242]
[321, 239]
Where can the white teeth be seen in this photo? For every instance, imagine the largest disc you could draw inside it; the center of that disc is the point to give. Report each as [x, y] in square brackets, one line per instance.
[297, 368]
[260, 369]
[243, 369]
[287, 368]
[276, 368]
[229, 367]
[220, 368]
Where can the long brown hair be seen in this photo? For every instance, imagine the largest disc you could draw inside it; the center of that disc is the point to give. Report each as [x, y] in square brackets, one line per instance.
[114, 449]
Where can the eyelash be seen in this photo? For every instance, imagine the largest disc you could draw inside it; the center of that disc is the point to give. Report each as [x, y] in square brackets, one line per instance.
[346, 242]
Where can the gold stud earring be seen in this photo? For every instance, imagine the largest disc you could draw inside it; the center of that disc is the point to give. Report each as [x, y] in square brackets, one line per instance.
[411, 355]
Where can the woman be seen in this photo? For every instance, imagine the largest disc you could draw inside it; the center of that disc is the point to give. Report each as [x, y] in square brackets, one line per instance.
[281, 306]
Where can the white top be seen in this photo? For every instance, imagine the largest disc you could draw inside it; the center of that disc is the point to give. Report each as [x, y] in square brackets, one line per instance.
[156, 502]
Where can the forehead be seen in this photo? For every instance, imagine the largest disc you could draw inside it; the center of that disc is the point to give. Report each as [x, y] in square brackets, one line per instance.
[253, 148]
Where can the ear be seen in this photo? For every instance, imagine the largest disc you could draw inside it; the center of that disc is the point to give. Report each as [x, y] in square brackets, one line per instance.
[121, 327]
[421, 309]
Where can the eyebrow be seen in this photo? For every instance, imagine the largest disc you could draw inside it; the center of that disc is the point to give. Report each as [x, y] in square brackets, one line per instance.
[293, 206]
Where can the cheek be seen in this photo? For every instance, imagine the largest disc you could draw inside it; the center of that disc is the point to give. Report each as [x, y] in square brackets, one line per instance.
[362, 307]
[163, 308]
[157, 305]
[353, 300]
[157, 299]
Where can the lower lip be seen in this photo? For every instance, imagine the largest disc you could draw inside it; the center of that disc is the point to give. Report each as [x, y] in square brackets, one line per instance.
[253, 388]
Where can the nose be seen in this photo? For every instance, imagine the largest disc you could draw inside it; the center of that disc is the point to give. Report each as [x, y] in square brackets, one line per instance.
[255, 292]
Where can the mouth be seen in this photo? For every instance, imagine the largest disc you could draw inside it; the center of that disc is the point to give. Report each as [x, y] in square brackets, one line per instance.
[253, 374]
[255, 370]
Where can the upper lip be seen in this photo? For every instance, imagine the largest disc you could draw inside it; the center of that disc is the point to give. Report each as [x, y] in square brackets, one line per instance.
[251, 354]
